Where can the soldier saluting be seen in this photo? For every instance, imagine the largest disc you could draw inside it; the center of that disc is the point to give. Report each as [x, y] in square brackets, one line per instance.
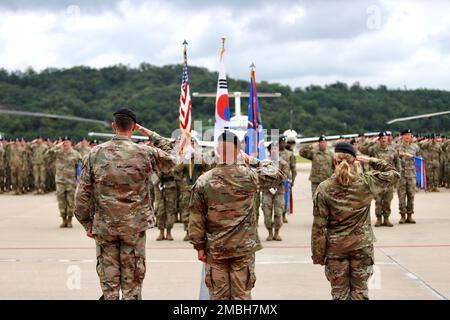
[112, 204]
[222, 224]
[342, 237]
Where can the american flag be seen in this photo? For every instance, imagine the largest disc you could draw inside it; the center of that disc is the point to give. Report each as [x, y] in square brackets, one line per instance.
[185, 106]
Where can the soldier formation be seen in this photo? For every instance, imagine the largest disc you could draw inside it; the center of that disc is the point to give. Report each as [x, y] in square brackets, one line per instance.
[125, 188]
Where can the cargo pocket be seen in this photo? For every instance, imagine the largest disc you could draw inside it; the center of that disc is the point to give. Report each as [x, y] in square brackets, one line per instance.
[139, 256]
[208, 277]
[251, 277]
[140, 267]
[100, 267]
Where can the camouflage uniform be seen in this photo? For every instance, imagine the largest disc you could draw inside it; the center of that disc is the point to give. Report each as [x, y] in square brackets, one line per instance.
[166, 206]
[17, 163]
[82, 150]
[406, 187]
[273, 203]
[289, 157]
[383, 200]
[7, 166]
[39, 170]
[2, 167]
[66, 178]
[223, 224]
[321, 167]
[112, 199]
[50, 169]
[342, 237]
[431, 152]
[446, 156]
[185, 183]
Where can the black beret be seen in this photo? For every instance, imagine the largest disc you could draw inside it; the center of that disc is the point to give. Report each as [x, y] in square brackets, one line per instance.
[344, 147]
[353, 141]
[322, 138]
[282, 138]
[126, 112]
[66, 138]
[93, 142]
[406, 131]
[382, 134]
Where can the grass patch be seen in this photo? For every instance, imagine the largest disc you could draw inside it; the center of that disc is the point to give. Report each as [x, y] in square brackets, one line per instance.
[300, 159]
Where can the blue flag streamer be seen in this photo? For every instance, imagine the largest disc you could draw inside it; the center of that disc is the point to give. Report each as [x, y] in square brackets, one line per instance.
[254, 144]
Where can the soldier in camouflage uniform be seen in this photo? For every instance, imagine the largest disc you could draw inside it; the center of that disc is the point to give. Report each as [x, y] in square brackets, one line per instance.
[431, 151]
[50, 168]
[384, 151]
[446, 159]
[289, 157]
[66, 161]
[17, 163]
[166, 206]
[273, 199]
[408, 181]
[2, 166]
[322, 161]
[342, 237]
[165, 191]
[7, 156]
[185, 181]
[38, 149]
[222, 225]
[112, 204]
[83, 147]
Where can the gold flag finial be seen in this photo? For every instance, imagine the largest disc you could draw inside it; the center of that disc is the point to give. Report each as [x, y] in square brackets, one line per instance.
[223, 41]
[252, 66]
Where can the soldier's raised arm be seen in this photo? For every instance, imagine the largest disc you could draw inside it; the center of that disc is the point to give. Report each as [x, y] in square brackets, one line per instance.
[319, 233]
[381, 177]
[158, 141]
[306, 151]
[265, 174]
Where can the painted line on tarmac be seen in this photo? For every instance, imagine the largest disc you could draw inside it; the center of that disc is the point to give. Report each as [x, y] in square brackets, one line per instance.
[407, 246]
[262, 262]
[416, 278]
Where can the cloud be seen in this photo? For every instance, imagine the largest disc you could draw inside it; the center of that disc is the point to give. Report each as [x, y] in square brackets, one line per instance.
[297, 43]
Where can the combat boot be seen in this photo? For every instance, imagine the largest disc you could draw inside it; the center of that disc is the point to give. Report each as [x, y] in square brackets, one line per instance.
[387, 223]
[285, 219]
[270, 236]
[276, 236]
[169, 235]
[379, 222]
[161, 235]
[69, 222]
[410, 219]
[64, 223]
[402, 219]
[186, 237]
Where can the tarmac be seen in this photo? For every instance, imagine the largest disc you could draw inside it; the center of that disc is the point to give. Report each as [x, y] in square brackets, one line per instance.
[38, 260]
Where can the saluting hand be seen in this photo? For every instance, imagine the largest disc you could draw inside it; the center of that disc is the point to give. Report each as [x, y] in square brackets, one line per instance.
[144, 131]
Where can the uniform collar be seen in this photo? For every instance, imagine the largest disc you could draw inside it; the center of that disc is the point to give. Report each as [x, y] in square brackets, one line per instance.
[121, 138]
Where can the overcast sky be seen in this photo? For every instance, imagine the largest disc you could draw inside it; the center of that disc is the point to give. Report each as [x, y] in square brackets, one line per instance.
[396, 43]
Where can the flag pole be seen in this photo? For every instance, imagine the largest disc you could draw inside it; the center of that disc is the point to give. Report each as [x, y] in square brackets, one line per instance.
[187, 134]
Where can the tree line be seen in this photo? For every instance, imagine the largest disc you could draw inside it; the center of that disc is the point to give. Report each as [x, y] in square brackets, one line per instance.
[153, 93]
